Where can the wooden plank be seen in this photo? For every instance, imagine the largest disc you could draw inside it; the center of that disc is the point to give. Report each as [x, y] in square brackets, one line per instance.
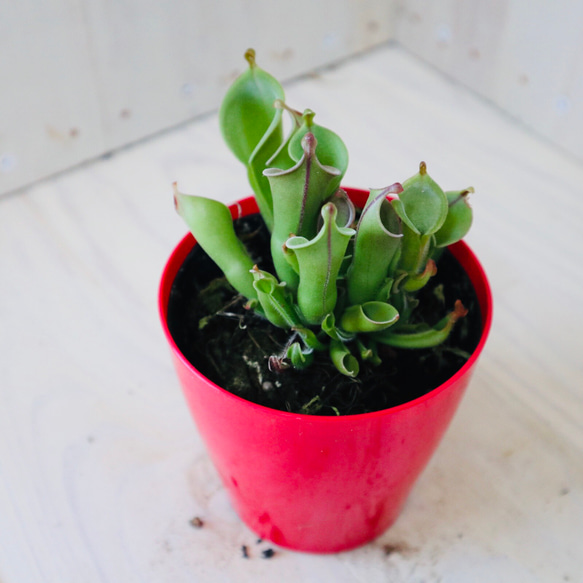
[526, 57]
[48, 96]
[83, 78]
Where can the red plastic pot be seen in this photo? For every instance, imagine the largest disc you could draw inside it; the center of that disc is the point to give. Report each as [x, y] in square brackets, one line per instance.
[320, 484]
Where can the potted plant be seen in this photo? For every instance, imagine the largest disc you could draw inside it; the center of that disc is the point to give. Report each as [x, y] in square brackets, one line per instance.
[354, 362]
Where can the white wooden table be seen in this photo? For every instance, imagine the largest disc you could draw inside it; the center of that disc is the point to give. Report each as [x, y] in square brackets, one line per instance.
[101, 468]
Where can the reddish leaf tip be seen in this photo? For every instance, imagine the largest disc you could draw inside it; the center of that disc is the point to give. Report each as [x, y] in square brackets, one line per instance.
[459, 311]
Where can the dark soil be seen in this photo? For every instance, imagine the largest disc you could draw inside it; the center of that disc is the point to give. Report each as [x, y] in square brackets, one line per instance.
[233, 346]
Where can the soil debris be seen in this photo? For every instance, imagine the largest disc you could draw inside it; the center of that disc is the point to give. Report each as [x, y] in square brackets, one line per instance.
[396, 548]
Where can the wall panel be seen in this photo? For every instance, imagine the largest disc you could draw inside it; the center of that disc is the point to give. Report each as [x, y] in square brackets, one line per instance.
[524, 55]
[81, 78]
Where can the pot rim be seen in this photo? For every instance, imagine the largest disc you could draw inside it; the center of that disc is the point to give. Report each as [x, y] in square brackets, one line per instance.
[460, 250]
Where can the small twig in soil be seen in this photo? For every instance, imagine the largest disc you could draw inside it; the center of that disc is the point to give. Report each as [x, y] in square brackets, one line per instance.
[213, 362]
[249, 236]
[253, 340]
[230, 315]
[272, 338]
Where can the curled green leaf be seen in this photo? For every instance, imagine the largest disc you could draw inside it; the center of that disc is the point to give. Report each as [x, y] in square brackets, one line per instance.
[415, 282]
[256, 164]
[385, 290]
[211, 224]
[331, 149]
[376, 244]
[252, 127]
[329, 327]
[247, 109]
[309, 339]
[274, 299]
[425, 338]
[344, 206]
[281, 157]
[368, 351]
[299, 356]
[298, 194]
[319, 262]
[369, 317]
[458, 220]
[271, 151]
[343, 359]
[422, 205]
[415, 251]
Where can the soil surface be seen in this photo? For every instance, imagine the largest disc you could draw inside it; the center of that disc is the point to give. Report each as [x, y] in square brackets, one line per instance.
[231, 345]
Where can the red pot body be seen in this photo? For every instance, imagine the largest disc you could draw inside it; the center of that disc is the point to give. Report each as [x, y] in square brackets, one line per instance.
[320, 484]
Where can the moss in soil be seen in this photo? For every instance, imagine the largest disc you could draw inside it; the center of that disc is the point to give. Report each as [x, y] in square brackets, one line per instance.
[231, 345]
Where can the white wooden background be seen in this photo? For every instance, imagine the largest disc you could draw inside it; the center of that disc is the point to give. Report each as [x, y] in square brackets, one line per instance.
[526, 56]
[80, 78]
[101, 468]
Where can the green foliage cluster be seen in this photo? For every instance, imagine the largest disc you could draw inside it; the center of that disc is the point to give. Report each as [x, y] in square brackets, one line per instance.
[341, 284]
